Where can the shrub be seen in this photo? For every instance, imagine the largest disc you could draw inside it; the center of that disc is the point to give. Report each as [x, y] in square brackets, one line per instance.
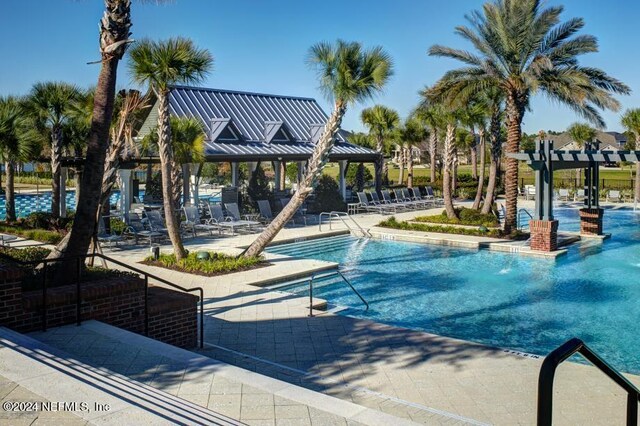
[358, 175]
[258, 188]
[466, 217]
[494, 233]
[217, 263]
[42, 235]
[45, 220]
[153, 191]
[27, 254]
[327, 196]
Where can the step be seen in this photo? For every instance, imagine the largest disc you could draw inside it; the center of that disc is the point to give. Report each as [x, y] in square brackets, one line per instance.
[201, 374]
[57, 376]
[319, 242]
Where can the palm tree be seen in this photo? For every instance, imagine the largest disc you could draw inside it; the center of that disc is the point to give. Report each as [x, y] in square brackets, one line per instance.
[410, 134]
[493, 98]
[380, 120]
[631, 121]
[432, 117]
[114, 39]
[17, 143]
[348, 74]
[451, 120]
[161, 64]
[50, 105]
[522, 49]
[581, 133]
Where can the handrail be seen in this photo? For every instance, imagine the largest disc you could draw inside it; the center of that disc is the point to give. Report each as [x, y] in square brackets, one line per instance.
[523, 211]
[78, 258]
[326, 275]
[341, 215]
[556, 357]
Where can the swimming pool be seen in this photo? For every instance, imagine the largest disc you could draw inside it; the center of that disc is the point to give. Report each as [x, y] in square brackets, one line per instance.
[41, 202]
[499, 299]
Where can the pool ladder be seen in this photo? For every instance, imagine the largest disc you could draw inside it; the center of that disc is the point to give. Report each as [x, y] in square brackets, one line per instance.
[343, 218]
[323, 275]
[520, 212]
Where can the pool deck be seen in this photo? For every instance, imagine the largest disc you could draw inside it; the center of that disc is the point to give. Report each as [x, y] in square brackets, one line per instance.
[403, 372]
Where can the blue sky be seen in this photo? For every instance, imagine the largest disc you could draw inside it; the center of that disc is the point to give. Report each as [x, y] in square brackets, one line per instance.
[260, 45]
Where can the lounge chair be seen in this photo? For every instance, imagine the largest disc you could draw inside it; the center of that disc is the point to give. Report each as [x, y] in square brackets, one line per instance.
[299, 214]
[404, 200]
[409, 194]
[613, 196]
[430, 195]
[234, 212]
[529, 192]
[6, 239]
[226, 222]
[266, 215]
[417, 196]
[156, 221]
[137, 230]
[579, 195]
[386, 197]
[377, 201]
[563, 194]
[195, 223]
[106, 238]
[370, 207]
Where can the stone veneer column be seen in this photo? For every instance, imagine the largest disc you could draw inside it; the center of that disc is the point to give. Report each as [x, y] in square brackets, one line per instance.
[591, 221]
[544, 235]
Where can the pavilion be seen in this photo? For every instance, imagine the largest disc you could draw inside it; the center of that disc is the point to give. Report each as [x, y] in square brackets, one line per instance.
[253, 127]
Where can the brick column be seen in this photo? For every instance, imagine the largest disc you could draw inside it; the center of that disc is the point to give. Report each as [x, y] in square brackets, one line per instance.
[591, 221]
[544, 235]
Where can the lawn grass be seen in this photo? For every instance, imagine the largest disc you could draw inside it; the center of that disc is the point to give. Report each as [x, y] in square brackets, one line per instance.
[217, 264]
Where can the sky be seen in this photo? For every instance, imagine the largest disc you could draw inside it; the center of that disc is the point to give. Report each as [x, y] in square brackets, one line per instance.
[261, 45]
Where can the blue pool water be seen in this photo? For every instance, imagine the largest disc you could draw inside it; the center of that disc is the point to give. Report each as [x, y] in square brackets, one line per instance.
[504, 300]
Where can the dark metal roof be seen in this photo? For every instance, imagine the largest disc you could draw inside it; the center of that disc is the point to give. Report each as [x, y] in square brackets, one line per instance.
[257, 117]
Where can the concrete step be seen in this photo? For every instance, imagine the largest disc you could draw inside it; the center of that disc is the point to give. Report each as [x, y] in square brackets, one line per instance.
[197, 377]
[110, 398]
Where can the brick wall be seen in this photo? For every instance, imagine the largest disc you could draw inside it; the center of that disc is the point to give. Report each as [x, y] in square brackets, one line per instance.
[544, 235]
[117, 300]
[591, 221]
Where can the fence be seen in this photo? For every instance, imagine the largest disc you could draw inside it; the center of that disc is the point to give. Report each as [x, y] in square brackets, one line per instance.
[579, 184]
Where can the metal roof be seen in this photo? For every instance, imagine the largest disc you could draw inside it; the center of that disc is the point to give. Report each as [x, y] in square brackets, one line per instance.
[257, 117]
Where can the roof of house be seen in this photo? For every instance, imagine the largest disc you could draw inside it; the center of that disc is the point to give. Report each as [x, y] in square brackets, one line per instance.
[247, 126]
[609, 141]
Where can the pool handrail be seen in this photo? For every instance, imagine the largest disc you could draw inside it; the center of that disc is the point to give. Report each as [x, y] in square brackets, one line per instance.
[324, 274]
[561, 354]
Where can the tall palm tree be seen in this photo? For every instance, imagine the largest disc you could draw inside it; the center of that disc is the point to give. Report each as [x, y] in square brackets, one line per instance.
[432, 117]
[18, 142]
[380, 120]
[493, 99]
[114, 39]
[348, 74]
[410, 134]
[522, 48]
[161, 64]
[581, 133]
[451, 120]
[631, 121]
[50, 105]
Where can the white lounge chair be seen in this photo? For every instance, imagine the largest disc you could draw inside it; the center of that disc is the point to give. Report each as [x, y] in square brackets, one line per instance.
[194, 222]
[613, 196]
[579, 195]
[234, 212]
[563, 194]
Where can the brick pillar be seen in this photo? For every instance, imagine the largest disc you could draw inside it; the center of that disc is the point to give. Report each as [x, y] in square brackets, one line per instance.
[544, 235]
[591, 221]
[10, 294]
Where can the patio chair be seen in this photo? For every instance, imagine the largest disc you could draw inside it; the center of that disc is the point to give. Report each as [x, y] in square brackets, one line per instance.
[370, 207]
[299, 214]
[156, 221]
[613, 196]
[195, 223]
[386, 197]
[137, 230]
[5, 239]
[409, 194]
[529, 192]
[579, 195]
[226, 222]
[563, 194]
[406, 201]
[266, 215]
[430, 195]
[107, 238]
[234, 212]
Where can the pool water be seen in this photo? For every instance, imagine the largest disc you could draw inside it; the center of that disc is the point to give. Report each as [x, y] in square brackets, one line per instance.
[505, 300]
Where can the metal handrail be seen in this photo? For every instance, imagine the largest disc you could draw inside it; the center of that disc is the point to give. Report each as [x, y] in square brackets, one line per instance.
[79, 258]
[326, 275]
[519, 214]
[341, 215]
[556, 357]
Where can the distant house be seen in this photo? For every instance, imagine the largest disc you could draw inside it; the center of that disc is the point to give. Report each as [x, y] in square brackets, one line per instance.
[609, 141]
[416, 154]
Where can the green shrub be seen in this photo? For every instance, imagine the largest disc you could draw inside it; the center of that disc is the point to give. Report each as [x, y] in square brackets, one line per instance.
[494, 233]
[217, 263]
[117, 226]
[42, 235]
[327, 196]
[357, 176]
[27, 254]
[258, 188]
[153, 191]
[466, 217]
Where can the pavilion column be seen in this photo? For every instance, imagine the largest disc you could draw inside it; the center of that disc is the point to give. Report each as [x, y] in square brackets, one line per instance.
[252, 165]
[543, 227]
[234, 174]
[343, 184]
[278, 175]
[126, 191]
[194, 178]
[64, 173]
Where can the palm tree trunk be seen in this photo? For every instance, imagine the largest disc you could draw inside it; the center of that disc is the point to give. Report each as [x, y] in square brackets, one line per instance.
[379, 165]
[309, 182]
[514, 110]
[474, 159]
[385, 172]
[186, 179]
[496, 149]
[409, 168]
[433, 144]
[283, 175]
[56, 170]
[401, 171]
[446, 175]
[114, 32]
[78, 183]
[476, 202]
[454, 171]
[168, 170]
[10, 191]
